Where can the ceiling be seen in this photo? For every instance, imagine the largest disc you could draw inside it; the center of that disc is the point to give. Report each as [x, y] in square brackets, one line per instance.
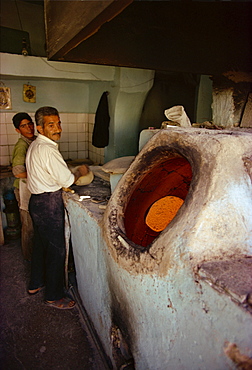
[204, 37]
[36, 2]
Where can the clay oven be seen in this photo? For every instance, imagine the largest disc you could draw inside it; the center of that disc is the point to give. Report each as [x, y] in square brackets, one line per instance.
[211, 172]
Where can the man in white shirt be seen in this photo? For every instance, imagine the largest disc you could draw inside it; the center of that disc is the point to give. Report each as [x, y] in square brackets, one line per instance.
[47, 174]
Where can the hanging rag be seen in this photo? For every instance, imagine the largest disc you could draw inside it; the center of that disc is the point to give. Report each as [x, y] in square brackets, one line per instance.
[100, 137]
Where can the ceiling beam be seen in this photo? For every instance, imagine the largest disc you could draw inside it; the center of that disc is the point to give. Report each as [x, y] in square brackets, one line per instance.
[68, 23]
[202, 37]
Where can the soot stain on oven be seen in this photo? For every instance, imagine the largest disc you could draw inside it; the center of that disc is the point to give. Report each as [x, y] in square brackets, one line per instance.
[248, 165]
[122, 333]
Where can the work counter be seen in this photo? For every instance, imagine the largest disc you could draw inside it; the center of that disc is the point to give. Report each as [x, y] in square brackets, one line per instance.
[93, 198]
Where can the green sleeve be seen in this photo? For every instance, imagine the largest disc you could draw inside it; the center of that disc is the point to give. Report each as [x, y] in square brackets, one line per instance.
[19, 153]
[18, 157]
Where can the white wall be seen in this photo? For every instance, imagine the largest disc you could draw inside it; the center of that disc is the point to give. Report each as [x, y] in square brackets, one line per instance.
[75, 142]
[66, 96]
[204, 111]
[75, 88]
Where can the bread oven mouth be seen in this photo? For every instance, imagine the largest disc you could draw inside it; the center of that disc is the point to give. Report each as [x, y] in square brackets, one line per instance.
[157, 198]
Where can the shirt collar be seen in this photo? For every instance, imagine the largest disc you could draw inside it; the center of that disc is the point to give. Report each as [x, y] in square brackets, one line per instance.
[28, 141]
[46, 139]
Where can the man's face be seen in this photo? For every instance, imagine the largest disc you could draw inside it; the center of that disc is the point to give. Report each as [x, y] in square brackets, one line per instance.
[26, 128]
[52, 128]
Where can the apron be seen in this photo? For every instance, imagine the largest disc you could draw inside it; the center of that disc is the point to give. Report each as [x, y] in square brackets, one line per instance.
[24, 195]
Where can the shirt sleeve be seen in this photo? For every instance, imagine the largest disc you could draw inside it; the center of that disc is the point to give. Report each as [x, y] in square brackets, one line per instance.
[18, 157]
[58, 170]
[16, 170]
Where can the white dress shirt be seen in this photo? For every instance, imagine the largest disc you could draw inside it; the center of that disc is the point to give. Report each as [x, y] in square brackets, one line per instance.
[46, 169]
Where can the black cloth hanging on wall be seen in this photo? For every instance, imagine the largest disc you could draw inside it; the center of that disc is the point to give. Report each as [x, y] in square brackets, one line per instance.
[100, 137]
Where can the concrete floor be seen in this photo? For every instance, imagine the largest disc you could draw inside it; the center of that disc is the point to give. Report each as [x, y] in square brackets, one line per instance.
[34, 336]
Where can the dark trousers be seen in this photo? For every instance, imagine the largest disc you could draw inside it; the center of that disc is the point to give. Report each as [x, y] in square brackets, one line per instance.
[48, 256]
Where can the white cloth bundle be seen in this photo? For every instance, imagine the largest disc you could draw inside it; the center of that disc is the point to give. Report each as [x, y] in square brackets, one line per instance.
[178, 114]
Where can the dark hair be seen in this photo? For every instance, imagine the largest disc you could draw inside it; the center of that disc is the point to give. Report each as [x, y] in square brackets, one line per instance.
[42, 112]
[18, 118]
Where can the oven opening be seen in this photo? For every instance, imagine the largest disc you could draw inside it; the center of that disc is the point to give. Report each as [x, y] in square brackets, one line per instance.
[157, 199]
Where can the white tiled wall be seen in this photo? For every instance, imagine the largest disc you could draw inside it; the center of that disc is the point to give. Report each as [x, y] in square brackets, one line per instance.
[8, 138]
[75, 142]
[74, 138]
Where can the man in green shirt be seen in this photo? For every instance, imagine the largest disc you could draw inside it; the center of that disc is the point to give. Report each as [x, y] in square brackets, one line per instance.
[25, 127]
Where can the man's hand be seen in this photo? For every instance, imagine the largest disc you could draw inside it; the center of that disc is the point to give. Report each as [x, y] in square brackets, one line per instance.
[84, 170]
[81, 171]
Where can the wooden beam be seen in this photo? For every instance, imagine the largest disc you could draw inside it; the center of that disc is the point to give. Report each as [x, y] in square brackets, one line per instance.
[199, 37]
[68, 23]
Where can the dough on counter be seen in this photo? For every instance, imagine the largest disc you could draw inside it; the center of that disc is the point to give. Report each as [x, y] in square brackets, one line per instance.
[118, 165]
[83, 180]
